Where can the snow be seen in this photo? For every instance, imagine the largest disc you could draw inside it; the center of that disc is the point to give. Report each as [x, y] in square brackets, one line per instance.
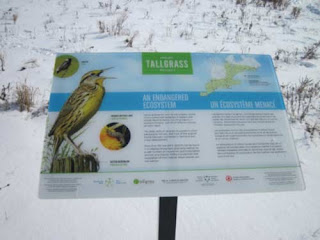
[45, 27]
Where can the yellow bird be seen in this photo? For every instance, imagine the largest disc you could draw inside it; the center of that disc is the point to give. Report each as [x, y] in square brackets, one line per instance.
[80, 107]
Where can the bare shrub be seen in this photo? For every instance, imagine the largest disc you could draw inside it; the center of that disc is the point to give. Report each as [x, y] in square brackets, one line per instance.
[42, 110]
[101, 26]
[109, 7]
[25, 96]
[179, 2]
[300, 97]
[32, 63]
[311, 51]
[243, 15]
[245, 49]
[295, 12]
[5, 92]
[276, 4]
[129, 40]
[149, 40]
[260, 3]
[280, 4]
[312, 128]
[219, 50]
[223, 19]
[187, 33]
[116, 28]
[15, 18]
[119, 23]
[47, 22]
[4, 96]
[2, 61]
[241, 2]
[286, 56]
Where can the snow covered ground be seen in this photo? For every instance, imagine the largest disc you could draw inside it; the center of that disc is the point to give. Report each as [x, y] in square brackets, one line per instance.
[45, 27]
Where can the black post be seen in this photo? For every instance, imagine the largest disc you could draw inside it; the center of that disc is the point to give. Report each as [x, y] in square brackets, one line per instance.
[167, 218]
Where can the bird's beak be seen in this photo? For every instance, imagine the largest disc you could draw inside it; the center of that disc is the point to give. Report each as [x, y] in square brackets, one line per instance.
[103, 70]
[106, 69]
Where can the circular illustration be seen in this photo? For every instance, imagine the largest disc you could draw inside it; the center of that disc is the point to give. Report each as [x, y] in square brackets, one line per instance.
[114, 136]
[65, 66]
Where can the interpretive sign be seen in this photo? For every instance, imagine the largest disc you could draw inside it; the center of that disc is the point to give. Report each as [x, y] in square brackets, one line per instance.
[166, 124]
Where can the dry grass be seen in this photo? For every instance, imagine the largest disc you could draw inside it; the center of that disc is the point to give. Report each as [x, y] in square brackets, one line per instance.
[241, 2]
[286, 56]
[311, 51]
[280, 4]
[116, 29]
[187, 33]
[5, 96]
[25, 96]
[2, 61]
[276, 4]
[119, 24]
[312, 128]
[15, 18]
[101, 26]
[295, 13]
[149, 40]
[299, 98]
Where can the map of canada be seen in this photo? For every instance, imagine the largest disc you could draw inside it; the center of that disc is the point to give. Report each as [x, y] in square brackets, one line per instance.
[230, 70]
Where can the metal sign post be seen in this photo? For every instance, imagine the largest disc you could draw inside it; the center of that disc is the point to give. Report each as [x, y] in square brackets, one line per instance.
[167, 218]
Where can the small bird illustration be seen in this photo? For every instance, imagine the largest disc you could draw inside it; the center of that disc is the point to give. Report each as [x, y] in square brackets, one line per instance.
[64, 66]
[114, 137]
[80, 107]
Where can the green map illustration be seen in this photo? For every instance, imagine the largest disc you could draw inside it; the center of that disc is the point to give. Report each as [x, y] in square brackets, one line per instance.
[231, 70]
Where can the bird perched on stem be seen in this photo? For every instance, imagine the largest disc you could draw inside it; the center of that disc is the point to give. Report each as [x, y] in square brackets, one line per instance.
[80, 107]
[64, 66]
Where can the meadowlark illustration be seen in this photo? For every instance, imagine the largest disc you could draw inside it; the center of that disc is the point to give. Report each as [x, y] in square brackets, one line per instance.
[80, 107]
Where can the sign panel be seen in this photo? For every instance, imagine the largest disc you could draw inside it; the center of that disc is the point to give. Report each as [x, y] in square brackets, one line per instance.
[166, 124]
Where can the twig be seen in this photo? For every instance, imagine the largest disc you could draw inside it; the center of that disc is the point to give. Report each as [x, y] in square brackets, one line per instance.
[5, 186]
